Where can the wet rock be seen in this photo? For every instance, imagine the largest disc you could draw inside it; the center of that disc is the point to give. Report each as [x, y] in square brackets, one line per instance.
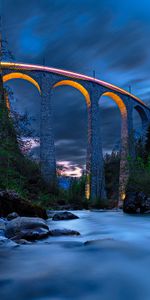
[2, 227]
[21, 242]
[12, 216]
[11, 202]
[64, 216]
[147, 212]
[27, 228]
[51, 213]
[2, 224]
[130, 204]
[7, 242]
[98, 242]
[144, 202]
[136, 203]
[64, 231]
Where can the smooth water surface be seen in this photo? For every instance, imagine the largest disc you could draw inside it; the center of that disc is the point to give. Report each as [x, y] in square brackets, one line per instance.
[114, 266]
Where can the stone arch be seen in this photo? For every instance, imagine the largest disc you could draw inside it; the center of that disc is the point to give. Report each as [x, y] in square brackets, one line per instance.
[77, 86]
[15, 75]
[124, 170]
[118, 101]
[85, 93]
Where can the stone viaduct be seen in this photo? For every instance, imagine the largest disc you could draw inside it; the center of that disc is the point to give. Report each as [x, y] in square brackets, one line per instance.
[46, 79]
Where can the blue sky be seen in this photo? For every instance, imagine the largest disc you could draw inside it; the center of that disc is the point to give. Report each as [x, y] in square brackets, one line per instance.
[110, 37]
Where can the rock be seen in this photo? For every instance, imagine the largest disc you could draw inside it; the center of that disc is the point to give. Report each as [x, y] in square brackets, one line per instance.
[147, 212]
[61, 202]
[144, 202]
[51, 213]
[64, 231]
[64, 216]
[99, 242]
[2, 224]
[12, 216]
[130, 204]
[7, 242]
[136, 203]
[2, 227]
[27, 228]
[11, 202]
[21, 242]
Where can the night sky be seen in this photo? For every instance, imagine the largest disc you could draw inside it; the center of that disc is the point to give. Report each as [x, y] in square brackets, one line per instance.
[111, 37]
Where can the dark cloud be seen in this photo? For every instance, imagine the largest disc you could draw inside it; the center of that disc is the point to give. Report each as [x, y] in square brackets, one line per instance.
[110, 37]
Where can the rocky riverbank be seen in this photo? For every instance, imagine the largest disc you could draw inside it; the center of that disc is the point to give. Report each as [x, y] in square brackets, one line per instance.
[136, 203]
[25, 230]
[10, 202]
[21, 222]
[109, 259]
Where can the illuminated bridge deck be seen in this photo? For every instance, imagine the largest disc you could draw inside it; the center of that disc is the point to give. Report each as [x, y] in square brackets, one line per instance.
[70, 74]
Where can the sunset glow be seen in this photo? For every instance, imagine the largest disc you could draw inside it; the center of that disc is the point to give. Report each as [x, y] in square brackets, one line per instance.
[66, 169]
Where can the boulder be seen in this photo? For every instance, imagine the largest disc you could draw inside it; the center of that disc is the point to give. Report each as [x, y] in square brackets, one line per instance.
[51, 213]
[130, 204]
[12, 216]
[11, 202]
[27, 229]
[63, 231]
[2, 227]
[144, 202]
[64, 216]
[136, 203]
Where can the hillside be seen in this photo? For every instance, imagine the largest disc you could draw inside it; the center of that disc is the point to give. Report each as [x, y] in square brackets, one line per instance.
[18, 173]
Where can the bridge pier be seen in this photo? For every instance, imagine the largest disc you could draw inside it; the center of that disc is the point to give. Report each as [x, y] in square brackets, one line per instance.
[131, 139]
[145, 125]
[95, 166]
[47, 148]
[127, 149]
[124, 154]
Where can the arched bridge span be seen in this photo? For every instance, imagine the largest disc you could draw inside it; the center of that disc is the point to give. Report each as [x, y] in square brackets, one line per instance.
[45, 79]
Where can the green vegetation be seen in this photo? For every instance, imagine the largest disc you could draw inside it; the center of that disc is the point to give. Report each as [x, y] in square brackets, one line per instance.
[22, 175]
[73, 197]
[17, 172]
[139, 179]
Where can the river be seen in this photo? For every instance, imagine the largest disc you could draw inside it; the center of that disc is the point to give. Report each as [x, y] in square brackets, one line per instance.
[114, 266]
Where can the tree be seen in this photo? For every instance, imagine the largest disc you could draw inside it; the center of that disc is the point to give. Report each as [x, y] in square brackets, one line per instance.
[22, 124]
[147, 144]
[140, 149]
[112, 167]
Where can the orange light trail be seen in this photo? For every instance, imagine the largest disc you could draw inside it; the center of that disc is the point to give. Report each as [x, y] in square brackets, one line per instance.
[10, 76]
[21, 66]
[77, 86]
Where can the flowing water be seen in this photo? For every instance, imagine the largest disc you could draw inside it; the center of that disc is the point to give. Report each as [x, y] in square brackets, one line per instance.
[114, 266]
